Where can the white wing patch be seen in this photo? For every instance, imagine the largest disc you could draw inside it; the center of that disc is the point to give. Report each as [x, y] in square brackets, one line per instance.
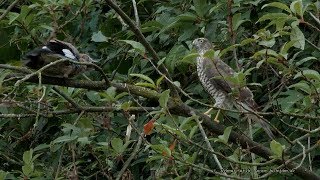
[45, 47]
[68, 54]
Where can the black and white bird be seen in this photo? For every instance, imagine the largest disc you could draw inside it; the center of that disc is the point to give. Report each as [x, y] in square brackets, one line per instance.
[55, 50]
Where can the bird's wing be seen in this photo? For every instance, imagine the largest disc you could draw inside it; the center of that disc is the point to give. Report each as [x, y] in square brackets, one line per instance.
[63, 48]
[219, 71]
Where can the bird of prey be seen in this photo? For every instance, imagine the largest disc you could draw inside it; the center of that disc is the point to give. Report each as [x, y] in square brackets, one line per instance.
[213, 74]
[55, 50]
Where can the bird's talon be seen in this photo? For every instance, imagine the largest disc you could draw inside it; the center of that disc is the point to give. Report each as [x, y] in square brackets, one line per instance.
[217, 116]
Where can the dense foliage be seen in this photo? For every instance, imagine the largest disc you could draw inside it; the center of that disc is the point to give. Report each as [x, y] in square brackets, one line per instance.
[150, 127]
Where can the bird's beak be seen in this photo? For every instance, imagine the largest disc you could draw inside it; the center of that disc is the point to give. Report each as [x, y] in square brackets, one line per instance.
[194, 42]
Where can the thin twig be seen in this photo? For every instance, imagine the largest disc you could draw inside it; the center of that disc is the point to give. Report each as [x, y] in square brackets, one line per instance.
[9, 9]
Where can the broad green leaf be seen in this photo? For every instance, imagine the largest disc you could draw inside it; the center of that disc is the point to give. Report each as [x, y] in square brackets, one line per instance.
[174, 56]
[93, 96]
[3, 174]
[41, 147]
[98, 37]
[226, 133]
[66, 138]
[209, 54]
[302, 85]
[160, 148]
[27, 169]
[117, 145]
[297, 8]
[247, 41]
[284, 49]
[12, 17]
[112, 91]
[297, 36]
[272, 16]
[267, 42]
[237, 21]
[176, 131]
[137, 46]
[126, 105]
[188, 16]
[144, 77]
[305, 60]
[190, 58]
[276, 148]
[164, 97]
[84, 140]
[24, 12]
[230, 48]
[265, 52]
[309, 73]
[27, 156]
[278, 5]
[200, 6]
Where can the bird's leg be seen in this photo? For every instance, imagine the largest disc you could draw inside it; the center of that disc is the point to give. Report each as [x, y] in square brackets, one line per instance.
[217, 115]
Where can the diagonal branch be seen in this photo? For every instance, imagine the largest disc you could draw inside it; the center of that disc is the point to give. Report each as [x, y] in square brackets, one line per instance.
[182, 109]
[135, 29]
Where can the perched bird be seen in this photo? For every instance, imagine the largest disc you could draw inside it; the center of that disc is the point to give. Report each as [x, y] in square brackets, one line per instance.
[55, 50]
[213, 74]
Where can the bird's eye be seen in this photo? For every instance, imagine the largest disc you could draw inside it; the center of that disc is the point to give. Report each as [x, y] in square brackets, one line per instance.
[201, 41]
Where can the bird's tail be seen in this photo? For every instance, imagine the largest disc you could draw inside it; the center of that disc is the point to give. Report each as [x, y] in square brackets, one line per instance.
[255, 118]
[263, 124]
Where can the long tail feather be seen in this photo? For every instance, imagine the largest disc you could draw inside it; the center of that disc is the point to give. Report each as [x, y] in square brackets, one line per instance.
[263, 124]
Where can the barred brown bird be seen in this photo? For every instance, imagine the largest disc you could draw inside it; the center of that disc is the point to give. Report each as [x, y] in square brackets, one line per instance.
[213, 75]
[55, 50]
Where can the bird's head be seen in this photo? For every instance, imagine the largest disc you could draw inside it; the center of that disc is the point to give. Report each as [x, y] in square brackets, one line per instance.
[202, 45]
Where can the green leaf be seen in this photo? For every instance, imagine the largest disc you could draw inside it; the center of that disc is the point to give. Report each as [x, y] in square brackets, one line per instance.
[230, 48]
[305, 60]
[84, 140]
[276, 148]
[297, 36]
[309, 73]
[27, 169]
[265, 52]
[98, 37]
[174, 56]
[278, 5]
[12, 17]
[3, 174]
[164, 97]
[93, 96]
[237, 21]
[147, 85]
[297, 8]
[188, 16]
[160, 148]
[159, 80]
[226, 133]
[302, 85]
[27, 156]
[137, 46]
[284, 49]
[175, 131]
[272, 16]
[247, 41]
[200, 6]
[66, 138]
[190, 58]
[144, 77]
[117, 145]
